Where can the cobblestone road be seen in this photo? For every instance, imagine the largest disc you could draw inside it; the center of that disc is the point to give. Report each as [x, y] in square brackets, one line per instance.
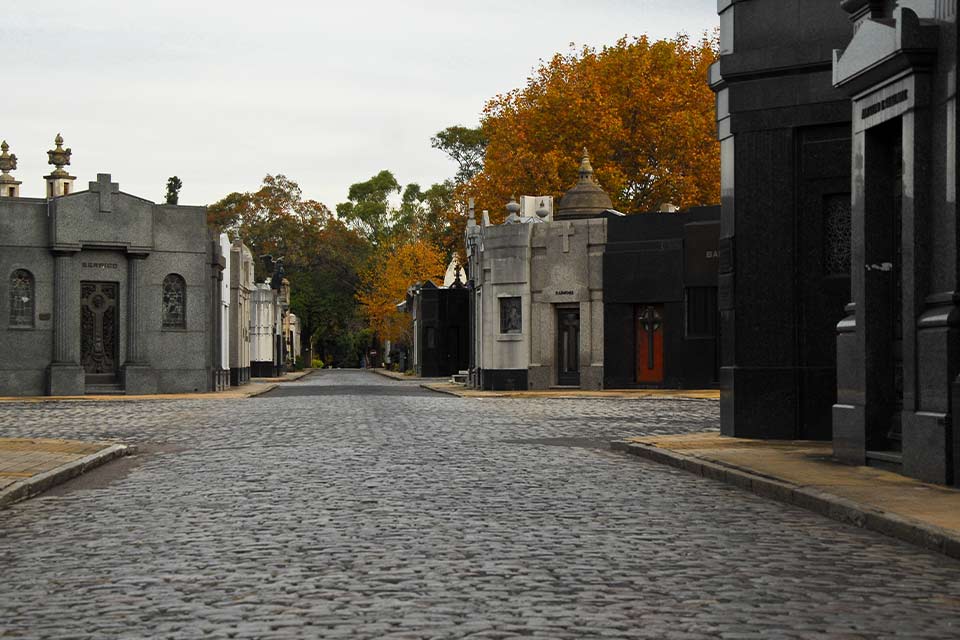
[351, 506]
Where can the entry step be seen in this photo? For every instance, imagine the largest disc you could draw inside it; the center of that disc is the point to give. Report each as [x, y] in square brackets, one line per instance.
[105, 390]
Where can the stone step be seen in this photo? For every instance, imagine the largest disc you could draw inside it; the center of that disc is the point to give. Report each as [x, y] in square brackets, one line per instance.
[105, 390]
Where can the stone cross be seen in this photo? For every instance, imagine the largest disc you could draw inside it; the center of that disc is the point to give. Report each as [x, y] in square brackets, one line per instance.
[565, 231]
[106, 189]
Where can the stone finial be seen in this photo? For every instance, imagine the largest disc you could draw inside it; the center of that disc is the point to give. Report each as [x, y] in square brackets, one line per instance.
[59, 158]
[586, 169]
[9, 186]
[8, 162]
[513, 209]
[543, 212]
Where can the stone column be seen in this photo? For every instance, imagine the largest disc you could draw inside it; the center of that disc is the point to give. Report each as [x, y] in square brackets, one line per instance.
[62, 351]
[66, 376]
[138, 376]
[135, 315]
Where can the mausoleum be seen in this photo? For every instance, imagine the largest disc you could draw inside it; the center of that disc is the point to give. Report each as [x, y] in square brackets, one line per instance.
[660, 300]
[104, 291]
[839, 250]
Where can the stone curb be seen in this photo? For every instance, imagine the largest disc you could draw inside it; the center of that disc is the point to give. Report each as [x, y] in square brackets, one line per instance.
[29, 487]
[448, 392]
[826, 504]
[260, 392]
[389, 374]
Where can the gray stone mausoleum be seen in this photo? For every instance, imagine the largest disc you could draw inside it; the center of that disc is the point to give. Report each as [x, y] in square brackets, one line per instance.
[107, 292]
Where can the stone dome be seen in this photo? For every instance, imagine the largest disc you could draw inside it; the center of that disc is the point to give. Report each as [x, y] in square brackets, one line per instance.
[586, 199]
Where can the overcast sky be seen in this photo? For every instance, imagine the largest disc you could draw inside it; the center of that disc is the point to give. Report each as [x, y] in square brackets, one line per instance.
[222, 92]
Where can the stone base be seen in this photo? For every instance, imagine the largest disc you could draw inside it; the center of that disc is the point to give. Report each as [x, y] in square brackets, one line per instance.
[759, 403]
[927, 444]
[503, 379]
[849, 434]
[221, 380]
[239, 376]
[139, 379]
[66, 379]
[263, 370]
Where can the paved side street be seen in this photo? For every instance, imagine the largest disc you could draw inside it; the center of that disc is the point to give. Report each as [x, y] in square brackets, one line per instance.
[350, 505]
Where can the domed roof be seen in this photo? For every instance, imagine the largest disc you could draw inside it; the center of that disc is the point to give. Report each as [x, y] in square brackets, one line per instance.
[586, 199]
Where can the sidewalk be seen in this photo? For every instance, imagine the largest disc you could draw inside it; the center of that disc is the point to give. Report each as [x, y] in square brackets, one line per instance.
[29, 466]
[256, 387]
[394, 375]
[804, 474]
[293, 376]
[623, 394]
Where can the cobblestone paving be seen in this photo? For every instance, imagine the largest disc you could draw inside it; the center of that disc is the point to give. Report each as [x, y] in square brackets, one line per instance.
[379, 510]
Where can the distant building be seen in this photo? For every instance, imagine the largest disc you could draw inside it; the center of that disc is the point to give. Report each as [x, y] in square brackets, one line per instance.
[440, 317]
[559, 298]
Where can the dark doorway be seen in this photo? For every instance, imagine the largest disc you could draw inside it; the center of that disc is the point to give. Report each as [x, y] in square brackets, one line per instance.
[568, 347]
[649, 344]
[883, 316]
[99, 317]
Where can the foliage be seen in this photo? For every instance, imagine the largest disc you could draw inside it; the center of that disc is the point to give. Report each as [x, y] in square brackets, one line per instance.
[435, 216]
[275, 220]
[174, 185]
[368, 208]
[322, 257]
[317, 363]
[642, 108]
[465, 146]
[385, 285]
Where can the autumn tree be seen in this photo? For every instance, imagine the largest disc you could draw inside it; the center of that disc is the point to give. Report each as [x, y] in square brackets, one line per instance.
[273, 220]
[642, 108]
[384, 285]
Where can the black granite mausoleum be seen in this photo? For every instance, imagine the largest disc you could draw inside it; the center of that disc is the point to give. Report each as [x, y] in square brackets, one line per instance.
[660, 300]
[441, 332]
[816, 261]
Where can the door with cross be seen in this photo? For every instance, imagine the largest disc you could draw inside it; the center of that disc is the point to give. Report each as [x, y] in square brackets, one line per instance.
[649, 323]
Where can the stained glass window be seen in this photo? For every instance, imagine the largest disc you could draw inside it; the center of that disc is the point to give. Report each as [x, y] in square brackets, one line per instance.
[21, 298]
[174, 302]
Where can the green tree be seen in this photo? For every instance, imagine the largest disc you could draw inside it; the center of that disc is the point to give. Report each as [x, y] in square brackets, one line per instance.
[465, 146]
[368, 207]
[433, 216]
[173, 190]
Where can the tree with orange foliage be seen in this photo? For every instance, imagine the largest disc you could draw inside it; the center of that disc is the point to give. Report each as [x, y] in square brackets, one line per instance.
[642, 108]
[384, 285]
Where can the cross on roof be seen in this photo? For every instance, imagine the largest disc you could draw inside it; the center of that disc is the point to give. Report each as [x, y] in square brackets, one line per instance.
[565, 231]
[106, 189]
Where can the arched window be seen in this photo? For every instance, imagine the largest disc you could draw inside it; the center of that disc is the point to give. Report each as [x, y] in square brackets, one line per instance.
[21, 298]
[174, 302]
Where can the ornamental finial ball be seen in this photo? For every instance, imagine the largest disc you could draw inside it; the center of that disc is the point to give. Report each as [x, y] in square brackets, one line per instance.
[513, 206]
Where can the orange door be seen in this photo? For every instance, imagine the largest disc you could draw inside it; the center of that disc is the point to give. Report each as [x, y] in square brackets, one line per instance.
[650, 344]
